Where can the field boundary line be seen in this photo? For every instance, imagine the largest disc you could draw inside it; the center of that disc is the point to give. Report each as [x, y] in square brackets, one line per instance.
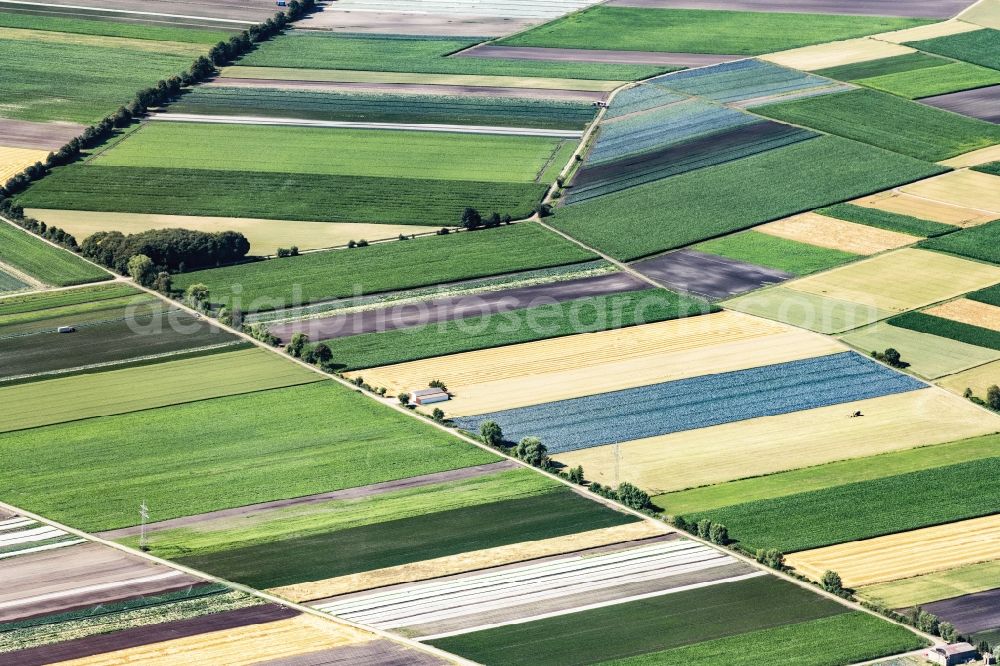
[260, 594]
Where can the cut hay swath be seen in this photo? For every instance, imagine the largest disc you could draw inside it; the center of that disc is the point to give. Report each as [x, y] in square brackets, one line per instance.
[816, 229]
[265, 236]
[791, 441]
[895, 201]
[906, 554]
[901, 280]
[549, 370]
[969, 312]
[836, 54]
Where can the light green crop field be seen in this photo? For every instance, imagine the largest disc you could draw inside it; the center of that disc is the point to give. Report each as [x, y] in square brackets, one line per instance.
[824, 476]
[9, 282]
[980, 47]
[736, 195]
[79, 82]
[935, 586]
[51, 265]
[888, 122]
[146, 387]
[430, 55]
[320, 276]
[925, 82]
[812, 643]
[700, 31]
[14, 307]
[774, 252]
[816, 313]
[219, 453]
[930, 356]
[82, 26]
[882, 66]
[341, 152]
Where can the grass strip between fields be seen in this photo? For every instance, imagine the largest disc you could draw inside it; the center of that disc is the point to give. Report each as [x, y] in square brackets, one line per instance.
[414, 539]
[245, 449]
[841, 639]
[889, 221]
[386, 267]
[51, 265]
[947, 328]
[583, 315]
[864, 509]
[655, 624]
[773, 252]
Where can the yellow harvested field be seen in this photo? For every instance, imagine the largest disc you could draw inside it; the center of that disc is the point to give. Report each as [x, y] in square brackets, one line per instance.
[896, 202]
[470, 561]
[970, 189]
[943, 29]
[15, 160]
[556, 369]
[834, 54]
[244, 645]
[265, 236]
[152, 46]
[985, 13]
[902, 280]
[790, 441]
[969, 312]
[905, 554]
[978, 379]
[975, 158]
[823, 231]
[353, 76]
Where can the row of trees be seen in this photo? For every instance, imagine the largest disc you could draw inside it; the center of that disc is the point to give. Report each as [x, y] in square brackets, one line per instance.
[170, 250]
[15, 213]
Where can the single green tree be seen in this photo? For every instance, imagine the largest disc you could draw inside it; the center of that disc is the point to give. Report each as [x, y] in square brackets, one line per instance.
[142, 270]
[163, 283]
[831, 582]
[704, 527]
[993, 397]
[576, 474]
[404, 398]
[631, 496]
[718, 534]
[296, 344]
[323, 354]
[197, 295]
[532, 451]
[491, 433]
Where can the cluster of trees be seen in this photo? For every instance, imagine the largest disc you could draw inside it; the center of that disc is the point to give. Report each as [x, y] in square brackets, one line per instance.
[292, 251]
[15, 213]
[890, 357]
[169, 250]
[715, 532]
[992, 400]
[473, 219]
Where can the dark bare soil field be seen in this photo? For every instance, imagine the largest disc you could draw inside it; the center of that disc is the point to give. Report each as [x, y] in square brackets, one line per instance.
[707, 274]
[40, 136]
[246, 11]
[593, 55]
[457, 307]
[970, 613]
[400, 23]
[982, 103]
[379, 652]
[911, 8]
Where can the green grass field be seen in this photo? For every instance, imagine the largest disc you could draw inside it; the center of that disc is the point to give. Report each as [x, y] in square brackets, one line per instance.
[888, 122]
[327, 50]
[883, 66]
[422, 537]
[989, 295]
[82, 26]
[313, 519]
[12, 306]
[980, 47]
[651, 625]
[313, 197]
[584, 315]
[105, 309]
[339, 273]
[9, 282]
[946, 328]
[78, 82]
[885, 220]
[170, 382]
[219, 453]
[811, 311]
[736, 195]
[864, 509]
[708, 498]
[51, 265]
[700, 31]
[981, 243]
[935, 586]
[773, 252]
[948, 78]
[386, 107]
[338, 152]
[819, 642]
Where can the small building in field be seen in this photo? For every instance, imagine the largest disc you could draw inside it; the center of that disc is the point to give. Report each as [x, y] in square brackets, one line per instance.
[950, 655]
[429, 396]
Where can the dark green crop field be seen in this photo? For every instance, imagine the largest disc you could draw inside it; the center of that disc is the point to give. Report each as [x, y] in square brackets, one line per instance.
[946, 328]
[886, 220]
[320, 276]
[889, 122]
[281, 196]
[584, 315]
[700, 31]
[429, 55]
[980, 47]
[658, 216]
[894, 65]
[341, 552]
[865, 509]
[219, 453]
[981, 242]
[659, 623]
[989, 295]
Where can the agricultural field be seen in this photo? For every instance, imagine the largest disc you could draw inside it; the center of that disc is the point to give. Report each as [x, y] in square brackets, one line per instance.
[710, 275]
[327, 275]
[973, 188]
[827, 59]
[883, 219]
[947, 327]
[764, 248]
[978, 379]
[735, 196]
[981, 243]
[700, 31]
[839, 236]
[920, 207]
[888, 122]
[914, 75]
[979, 47]
[14, 159]
[46, 263]
[10, 282]
[978, 103]
[926, 588]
